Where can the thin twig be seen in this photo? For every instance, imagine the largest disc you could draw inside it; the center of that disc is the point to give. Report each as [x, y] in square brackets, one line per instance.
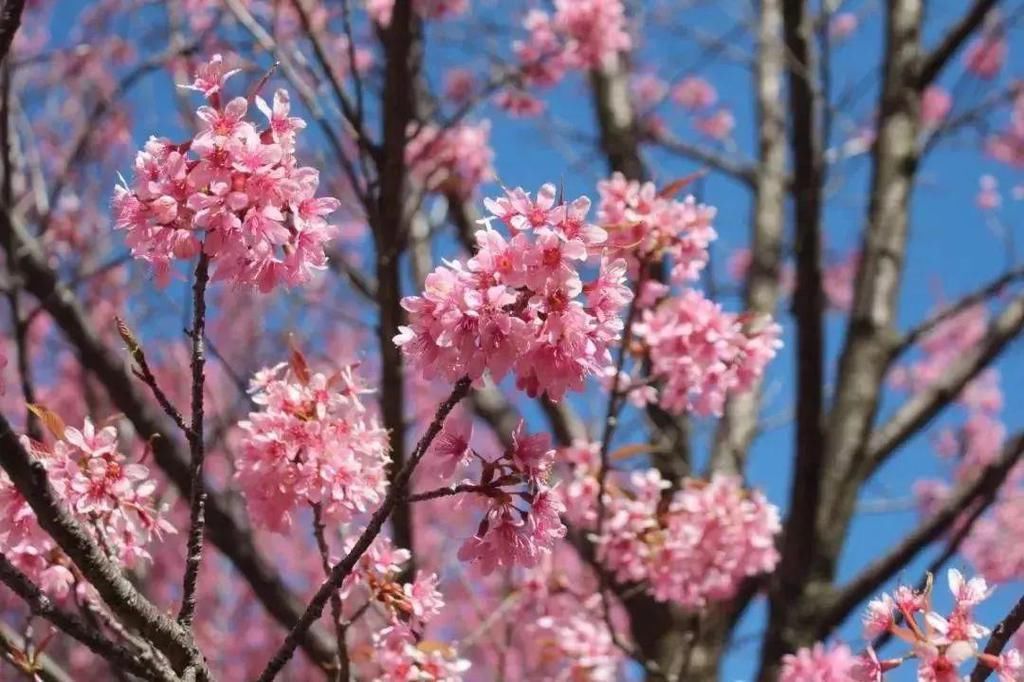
[197, 494]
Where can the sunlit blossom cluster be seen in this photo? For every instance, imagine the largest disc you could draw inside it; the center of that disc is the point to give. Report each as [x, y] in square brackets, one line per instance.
[940, 646]
[641, 220]
[580, 34]
[111, 497]
[400, 652]
[457, 158]
[234, 191]
[520, 304]
[703, 353]
[522, 518]
[311, 442]
[694, 548]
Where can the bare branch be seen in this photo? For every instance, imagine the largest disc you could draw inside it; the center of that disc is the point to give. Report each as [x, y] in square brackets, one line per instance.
[878, 572]
[197, 452]
[920, 409]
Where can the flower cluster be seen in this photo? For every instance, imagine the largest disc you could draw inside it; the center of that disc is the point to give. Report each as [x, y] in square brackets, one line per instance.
[819, 664]
[693, 548]
[515, 305]
[581, 34]
[642, 221]
[401, 658]
[234, 191]
[940, 644]
[311, 443]
[703, 353]
[457, 158]
[522, 519]
[112, 498]
[408, 607]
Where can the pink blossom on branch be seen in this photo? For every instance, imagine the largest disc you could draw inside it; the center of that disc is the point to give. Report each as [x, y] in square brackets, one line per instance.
[519, 304]
[311, 442]
[112, 498]
[704, 353]
[235, 191]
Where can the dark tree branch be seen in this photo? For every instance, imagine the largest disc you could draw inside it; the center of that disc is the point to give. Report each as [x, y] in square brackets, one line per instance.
[197, 451]
[875, 575]
[936, 60]
[10, 20]
[805, 108]
[738, 426]
[29, 477]
[117, 654]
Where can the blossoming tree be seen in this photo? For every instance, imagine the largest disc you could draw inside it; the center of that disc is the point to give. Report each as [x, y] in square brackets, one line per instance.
[440, 413]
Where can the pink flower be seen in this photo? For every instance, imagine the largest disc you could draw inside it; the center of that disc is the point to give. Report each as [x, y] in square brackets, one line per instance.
[459, 85]
[515, 305]
[457, 158]
[935, 106]
[717, 126]
[843, 25]
[425, 601]
[818, 664]
[236, 193]
[985, 55]
[309, 444]
[211, 76]
[693, 93]
[532, 455]
[451, 447]
[704, 353]
[988, 198]
[283, 127]
[879, 617]
[112, 498]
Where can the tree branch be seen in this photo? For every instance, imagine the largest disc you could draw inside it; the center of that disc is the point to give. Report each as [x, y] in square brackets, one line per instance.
[920, 409]
[29, 477]
[878, 572]
[226, 529]
[936, 60]
[117, 654]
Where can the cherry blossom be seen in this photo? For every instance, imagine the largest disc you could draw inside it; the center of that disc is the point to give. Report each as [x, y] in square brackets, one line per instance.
[311, 442]
[457, 158]
[112, 498]
[515, 305]
[234, 191]
[704, 353]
